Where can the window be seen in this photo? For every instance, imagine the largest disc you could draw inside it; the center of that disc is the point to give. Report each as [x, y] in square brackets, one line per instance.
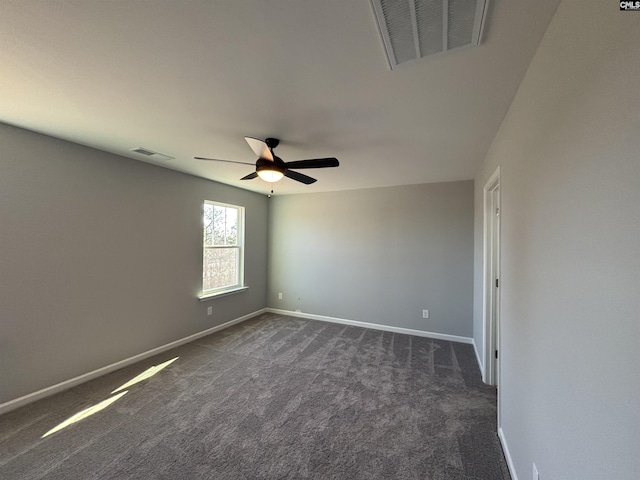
[223, 248]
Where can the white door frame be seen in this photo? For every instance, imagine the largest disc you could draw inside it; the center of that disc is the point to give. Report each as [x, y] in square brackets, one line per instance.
[491, 290]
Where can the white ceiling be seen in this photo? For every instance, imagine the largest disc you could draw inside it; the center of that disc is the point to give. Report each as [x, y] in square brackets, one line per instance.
[192, 78]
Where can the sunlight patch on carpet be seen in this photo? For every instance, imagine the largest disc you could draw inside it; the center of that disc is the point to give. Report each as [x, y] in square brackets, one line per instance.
[87, 412]
[148, 373]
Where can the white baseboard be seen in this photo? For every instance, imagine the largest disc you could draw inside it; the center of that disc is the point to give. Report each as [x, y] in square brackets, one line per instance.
[72, 382]
[375, 326]
[480, 364]
[507, 455]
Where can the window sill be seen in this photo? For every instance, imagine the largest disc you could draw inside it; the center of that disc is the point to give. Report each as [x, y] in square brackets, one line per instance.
[211, 296]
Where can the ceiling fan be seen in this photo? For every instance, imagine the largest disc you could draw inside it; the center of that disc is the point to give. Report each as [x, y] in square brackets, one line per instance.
[272, 168]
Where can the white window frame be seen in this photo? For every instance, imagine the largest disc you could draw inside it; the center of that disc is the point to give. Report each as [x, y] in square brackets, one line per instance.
[239, 286]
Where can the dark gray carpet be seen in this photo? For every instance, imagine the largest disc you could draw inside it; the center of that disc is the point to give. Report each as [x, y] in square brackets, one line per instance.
[273, 398]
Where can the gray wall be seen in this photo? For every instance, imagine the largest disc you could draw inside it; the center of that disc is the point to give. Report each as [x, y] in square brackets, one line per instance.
[101, 259]
[377, 255]
[569, 151]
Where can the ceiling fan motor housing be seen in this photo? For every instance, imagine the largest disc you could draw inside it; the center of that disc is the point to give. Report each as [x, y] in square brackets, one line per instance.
[264, 164]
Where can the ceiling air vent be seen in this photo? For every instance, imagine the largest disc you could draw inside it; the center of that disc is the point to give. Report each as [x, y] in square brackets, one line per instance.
[413, 29]
[151, 154]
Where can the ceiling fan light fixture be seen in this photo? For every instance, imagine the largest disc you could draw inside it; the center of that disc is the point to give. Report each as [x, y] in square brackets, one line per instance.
[270, 176]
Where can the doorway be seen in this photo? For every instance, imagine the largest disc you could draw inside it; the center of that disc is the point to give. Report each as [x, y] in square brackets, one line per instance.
[491, 340]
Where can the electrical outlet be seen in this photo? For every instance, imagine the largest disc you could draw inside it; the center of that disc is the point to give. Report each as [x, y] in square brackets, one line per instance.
[209, 310]
[425, 313]
[536, 475]
[280, 296]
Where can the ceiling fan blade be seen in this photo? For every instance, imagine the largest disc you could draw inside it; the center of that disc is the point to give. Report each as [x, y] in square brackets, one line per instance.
[260, 148]
[299, 177]
[251, 176]
[313, 163]
[218, 160]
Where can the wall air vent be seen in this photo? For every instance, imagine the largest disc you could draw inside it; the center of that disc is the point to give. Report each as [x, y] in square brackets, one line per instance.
[151, 154]
[412, 29]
